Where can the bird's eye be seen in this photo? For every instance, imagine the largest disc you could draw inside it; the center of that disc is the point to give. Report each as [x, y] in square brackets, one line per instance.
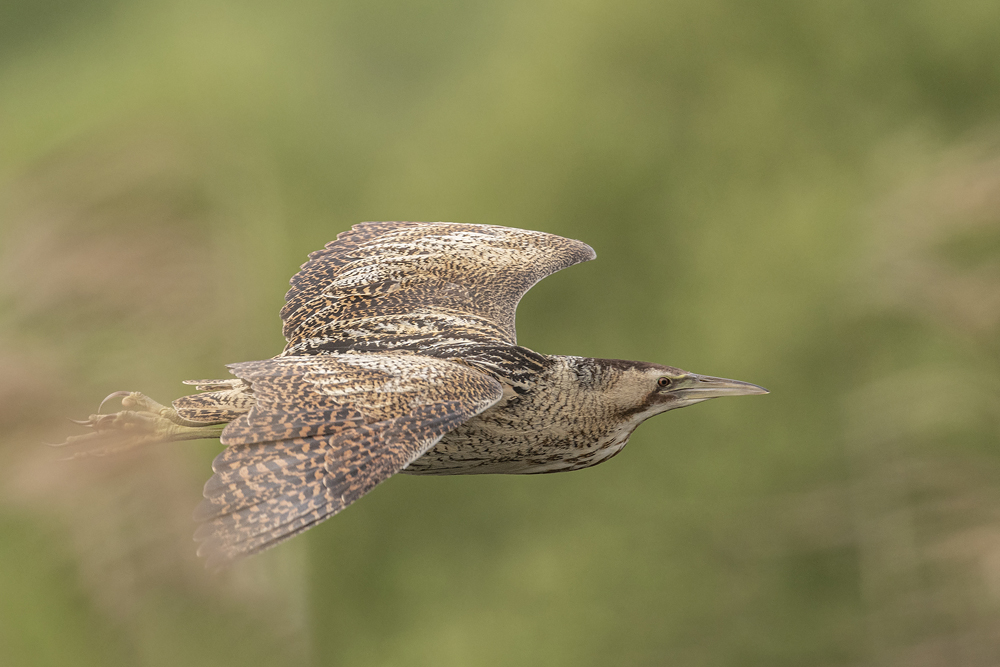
[664, 382]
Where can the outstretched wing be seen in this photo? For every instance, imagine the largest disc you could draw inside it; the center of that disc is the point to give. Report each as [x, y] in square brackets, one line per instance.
[419, 285]
[323, 431]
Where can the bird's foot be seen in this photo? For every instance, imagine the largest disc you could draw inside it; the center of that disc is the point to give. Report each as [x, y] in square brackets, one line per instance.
[142, 422]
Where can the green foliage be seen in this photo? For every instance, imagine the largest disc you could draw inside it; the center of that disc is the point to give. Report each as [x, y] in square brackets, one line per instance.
[801, 195]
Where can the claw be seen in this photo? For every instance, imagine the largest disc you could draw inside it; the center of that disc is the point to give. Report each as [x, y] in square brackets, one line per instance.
[101, 422]
[142, 422]
[117, 394]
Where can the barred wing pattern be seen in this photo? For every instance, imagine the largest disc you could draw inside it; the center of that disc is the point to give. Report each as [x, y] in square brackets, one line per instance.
[419, 286]
[322, 432]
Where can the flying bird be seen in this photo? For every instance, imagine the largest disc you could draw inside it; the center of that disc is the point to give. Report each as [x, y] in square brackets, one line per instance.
[401, 356]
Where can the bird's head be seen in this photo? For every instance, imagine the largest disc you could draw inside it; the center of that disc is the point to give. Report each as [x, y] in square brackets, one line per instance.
[671, 388]
[645, 389]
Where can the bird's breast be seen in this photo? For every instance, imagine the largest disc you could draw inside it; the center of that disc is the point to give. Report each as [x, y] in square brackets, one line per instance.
[514, 438]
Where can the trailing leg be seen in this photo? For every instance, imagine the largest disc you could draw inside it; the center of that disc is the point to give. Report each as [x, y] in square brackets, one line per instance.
[142, 422]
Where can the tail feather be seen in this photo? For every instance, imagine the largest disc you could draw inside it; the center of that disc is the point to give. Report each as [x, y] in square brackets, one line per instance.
[214, 407]
[215, 385]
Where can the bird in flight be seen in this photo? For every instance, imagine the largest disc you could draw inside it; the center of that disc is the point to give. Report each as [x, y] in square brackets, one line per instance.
[401, 356]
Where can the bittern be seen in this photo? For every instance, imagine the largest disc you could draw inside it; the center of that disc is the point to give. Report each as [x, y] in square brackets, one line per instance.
[401, 356]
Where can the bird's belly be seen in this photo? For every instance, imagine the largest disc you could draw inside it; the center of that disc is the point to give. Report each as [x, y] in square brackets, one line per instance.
[481, 446]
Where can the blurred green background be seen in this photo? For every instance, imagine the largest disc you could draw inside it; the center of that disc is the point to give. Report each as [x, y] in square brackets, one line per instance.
[805, 195]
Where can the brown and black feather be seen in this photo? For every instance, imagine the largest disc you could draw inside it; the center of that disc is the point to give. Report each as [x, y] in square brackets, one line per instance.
[397, 333]
[323, 431]
[427, 287]
[401, 356]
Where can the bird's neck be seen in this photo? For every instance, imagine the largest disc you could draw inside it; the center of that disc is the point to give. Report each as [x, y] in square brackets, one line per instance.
[608, 387]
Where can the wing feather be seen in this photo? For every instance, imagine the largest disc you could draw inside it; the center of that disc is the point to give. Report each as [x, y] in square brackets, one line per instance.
[419, 285]
[325, 430]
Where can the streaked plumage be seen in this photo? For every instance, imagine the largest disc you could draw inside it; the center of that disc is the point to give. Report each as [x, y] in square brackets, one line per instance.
[401, 356]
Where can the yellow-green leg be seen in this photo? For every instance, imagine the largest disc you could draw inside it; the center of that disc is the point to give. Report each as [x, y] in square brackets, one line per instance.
[142, 422]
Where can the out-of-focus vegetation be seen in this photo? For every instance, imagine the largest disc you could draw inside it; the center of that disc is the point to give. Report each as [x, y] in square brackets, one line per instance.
[800, 194]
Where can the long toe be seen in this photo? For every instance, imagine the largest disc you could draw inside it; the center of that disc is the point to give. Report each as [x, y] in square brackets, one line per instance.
[142, 422]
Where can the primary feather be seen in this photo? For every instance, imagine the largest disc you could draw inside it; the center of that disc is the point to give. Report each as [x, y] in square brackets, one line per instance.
[323, 431]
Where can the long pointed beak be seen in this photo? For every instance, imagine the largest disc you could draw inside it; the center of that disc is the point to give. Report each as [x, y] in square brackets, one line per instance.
[706, 386]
